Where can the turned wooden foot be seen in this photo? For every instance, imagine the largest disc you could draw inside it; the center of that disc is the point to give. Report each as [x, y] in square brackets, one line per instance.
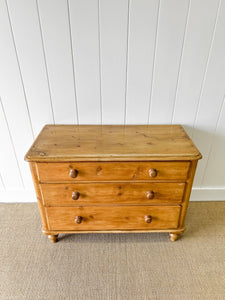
[53, 238]
[174, 236]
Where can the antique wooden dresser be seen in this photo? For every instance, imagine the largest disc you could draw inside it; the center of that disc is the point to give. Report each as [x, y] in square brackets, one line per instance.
[113, 178]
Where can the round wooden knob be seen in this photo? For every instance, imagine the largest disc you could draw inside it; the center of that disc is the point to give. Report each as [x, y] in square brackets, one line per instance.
[152, 172]
[75, 195]
[78, 219]
[73, 173]
[150, 194]
[148, 219]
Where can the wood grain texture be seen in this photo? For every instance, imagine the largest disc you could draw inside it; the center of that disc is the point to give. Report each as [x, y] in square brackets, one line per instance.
[129, 217]
[129, 142]
[111, 193]
[107, 171]
[190, 180]
[56, 232]
[44, 218]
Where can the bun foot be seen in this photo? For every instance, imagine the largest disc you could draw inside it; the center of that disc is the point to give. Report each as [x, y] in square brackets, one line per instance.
[174, 236]
[53, 238]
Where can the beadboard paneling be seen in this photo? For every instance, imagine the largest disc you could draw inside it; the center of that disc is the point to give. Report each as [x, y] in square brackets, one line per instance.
[26, 32]
[8, 151]
[112, 62]
[215, 170]
[198, 39]
[13, 95]
[114, 27]
[141, 53]
[169, 43]
[84, 20]
[212, 97]
[2, 187]
[55, 30]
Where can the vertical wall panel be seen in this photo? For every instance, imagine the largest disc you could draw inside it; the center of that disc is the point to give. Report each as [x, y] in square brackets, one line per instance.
[142, 33]
[215, 171]
[171, 28]
[113, 41]
[112, 62]
[57, 45]
[12, 94]
[26, 31]
[196, 50]
[85, 39]
[8, 161]
[212, 96]
[2, 187]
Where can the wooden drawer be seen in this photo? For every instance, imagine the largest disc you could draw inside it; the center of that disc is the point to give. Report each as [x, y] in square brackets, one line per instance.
[112, 218]
[76, 194]
[117, 171]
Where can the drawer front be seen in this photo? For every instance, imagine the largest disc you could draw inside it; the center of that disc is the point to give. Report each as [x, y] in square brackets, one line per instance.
[94, 171]
[113, 218]
[107, 193]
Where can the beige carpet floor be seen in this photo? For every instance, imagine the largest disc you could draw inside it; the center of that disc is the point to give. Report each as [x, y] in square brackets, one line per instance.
[112, 266]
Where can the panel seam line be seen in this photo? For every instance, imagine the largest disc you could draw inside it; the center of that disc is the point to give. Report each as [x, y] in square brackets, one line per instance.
[180, 63]
[45, 60]
[20, 72]
[153, 66]
[206, 69]
[73, 64]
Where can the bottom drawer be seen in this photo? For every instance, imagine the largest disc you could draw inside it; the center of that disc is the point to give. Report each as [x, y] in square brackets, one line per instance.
[113, 218]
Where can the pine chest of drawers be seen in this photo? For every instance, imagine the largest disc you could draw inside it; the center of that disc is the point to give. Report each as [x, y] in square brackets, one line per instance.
[113, 178]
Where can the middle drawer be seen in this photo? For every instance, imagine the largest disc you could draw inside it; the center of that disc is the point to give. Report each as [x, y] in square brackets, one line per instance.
[78, 194]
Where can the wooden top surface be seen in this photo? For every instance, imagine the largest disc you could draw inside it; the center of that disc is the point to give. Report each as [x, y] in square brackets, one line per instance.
[112, 143]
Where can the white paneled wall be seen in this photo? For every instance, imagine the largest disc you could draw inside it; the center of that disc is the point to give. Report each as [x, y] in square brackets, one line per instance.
[112, 62]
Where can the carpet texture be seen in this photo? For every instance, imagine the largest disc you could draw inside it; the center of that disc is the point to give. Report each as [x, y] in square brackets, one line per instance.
[112, 266]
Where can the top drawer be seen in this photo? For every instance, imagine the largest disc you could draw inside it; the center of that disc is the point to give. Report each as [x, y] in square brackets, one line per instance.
[103, 171]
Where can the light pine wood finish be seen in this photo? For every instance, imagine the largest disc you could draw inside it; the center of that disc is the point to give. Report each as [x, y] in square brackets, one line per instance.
[116, 171]
[111, 193]
[53, 238]
[112, 142]
[33, 169]
[128, 217]
[113, 178]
